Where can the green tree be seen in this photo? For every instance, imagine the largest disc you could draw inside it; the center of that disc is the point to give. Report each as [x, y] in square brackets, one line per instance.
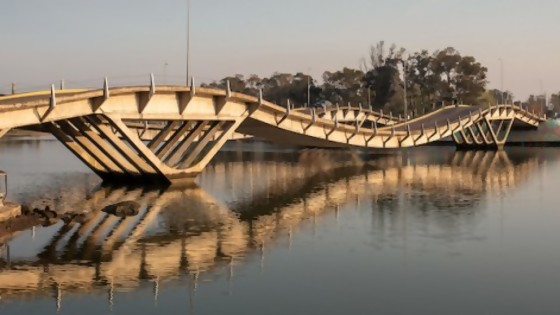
[422, 82]
[444, 64]
[237, 84]
[344, 86]
[281, 87]
[463, 78]
[383, 77]
[470, 80]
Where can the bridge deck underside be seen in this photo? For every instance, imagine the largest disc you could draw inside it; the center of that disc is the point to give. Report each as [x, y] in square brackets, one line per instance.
[274, 134]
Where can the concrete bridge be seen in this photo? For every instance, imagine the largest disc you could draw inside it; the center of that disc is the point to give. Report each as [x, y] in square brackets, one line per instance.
[194, 123]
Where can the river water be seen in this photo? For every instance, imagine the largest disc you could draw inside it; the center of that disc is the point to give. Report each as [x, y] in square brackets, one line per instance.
[270, 230]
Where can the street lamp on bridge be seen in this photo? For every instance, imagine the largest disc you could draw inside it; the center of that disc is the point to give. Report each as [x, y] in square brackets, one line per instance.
[405, 66]
[188, 38]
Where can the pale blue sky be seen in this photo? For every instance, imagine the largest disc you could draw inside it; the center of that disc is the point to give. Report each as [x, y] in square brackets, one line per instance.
[44, 41]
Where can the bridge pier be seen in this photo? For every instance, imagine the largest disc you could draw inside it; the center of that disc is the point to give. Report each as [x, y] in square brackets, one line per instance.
[178, 152]
[3, 132]
[486, 134]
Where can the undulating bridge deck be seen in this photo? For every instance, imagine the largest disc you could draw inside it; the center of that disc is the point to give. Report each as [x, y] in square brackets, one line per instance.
[101, 126]
[438, 117]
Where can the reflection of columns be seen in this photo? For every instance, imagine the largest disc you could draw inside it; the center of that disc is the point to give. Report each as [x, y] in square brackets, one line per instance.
[230, 277]
[315, 224]
[193, 283]
[156, 290]
[262, 257]
[58, 297]
[290, 237]
[111, 295]
[336, 213]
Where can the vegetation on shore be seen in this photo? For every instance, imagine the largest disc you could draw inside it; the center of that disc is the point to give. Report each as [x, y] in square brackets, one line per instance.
[432, 78]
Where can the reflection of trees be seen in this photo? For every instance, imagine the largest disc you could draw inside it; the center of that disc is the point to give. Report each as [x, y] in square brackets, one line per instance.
[454, 186]
[184, 230]
[446, 196]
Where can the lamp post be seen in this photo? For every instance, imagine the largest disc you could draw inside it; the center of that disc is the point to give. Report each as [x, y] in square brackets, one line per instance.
[543, 105]
[165, 73]
[188, 38]
[308, 91]
[404, 91]
[502, 78]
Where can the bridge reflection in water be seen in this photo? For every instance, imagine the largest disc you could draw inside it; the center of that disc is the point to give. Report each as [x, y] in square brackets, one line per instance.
[182, 233]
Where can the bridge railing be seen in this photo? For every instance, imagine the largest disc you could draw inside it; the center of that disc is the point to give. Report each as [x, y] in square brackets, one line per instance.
[17, 87]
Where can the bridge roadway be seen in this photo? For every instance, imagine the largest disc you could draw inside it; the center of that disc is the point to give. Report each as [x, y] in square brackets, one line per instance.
[441, 116]
[109, 253]
[198, 121]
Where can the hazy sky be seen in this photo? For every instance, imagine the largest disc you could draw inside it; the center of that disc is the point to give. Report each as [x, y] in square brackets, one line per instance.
[82, 41]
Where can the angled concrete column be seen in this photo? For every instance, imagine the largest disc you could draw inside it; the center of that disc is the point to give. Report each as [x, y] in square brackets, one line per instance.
[476, 136]
[90, 161]
[136, 150]
[173, 157]
[3, 132]
[86, 146]
[175, 137]
[484, 131]
[106, 148]
[125, 151]
[487, 133]
[162, 136]
[201, 144]
[504, 128]
[458, 139]
[228, 130]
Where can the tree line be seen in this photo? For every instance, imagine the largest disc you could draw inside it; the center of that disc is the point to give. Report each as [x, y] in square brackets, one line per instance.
[385, 78]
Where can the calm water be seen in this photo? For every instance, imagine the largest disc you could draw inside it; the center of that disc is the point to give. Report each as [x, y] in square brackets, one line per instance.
[270, 231]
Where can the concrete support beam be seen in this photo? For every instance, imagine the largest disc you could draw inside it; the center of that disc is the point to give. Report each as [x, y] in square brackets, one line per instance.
[106, 148]
[488, 132]
[172, 142]
[181, 148]
[201, 144]
[86, 157]
[139, 158]
[142, 150]
[3, 132]
[91, 148]
[215, 146]
[163, 134]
